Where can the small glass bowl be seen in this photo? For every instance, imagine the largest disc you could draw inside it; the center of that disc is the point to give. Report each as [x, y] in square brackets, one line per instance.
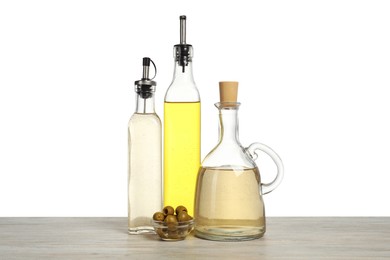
[173, 232]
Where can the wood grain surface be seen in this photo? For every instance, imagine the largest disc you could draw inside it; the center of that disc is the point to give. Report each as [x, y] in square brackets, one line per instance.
[107, 238]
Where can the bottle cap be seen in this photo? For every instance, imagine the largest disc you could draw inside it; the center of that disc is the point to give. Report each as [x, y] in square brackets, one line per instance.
[145, 85]
[228, 91]
[145, 80]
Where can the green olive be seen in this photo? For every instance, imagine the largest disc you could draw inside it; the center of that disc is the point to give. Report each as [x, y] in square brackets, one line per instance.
[171, 222]
[182, 232]
[183, 216]
[159, 216]
[168, 210]
[173, 234]
[180, 208]
[170, 219]
[172, 227]
[161, 233]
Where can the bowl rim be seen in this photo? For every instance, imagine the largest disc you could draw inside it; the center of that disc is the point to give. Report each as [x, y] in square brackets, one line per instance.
[180, 223]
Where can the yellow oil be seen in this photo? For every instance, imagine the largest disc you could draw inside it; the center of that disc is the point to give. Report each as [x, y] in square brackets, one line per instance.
[181, 153]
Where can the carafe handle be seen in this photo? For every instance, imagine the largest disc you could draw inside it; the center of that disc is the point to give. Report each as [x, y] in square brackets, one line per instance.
[268, 187]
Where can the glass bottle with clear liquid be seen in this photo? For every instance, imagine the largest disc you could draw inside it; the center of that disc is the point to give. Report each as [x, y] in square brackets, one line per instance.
[229, 204]
[145, 163]
[181, 129]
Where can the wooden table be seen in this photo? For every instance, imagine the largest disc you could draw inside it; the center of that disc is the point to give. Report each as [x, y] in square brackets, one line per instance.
[286, 238]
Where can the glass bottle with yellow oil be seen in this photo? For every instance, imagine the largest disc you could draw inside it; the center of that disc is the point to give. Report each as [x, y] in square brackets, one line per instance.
[181, 129]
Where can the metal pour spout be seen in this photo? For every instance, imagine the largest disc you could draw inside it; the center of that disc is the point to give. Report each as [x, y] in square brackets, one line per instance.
[183, 51]
[145, 86]
[183, 29]
[146, 65]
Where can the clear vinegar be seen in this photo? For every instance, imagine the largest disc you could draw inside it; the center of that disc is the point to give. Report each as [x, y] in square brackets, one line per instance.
[145, 191]
[231, 207]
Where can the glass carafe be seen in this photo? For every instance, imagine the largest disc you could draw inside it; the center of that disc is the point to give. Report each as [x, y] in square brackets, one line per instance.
[229, 204]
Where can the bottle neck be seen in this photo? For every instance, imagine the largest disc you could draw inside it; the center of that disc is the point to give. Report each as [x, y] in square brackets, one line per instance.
[145, 103]
[183, 73]
[183, 54]
[228, 125]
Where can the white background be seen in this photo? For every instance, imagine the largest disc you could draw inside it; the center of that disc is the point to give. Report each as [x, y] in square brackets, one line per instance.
[314, 80]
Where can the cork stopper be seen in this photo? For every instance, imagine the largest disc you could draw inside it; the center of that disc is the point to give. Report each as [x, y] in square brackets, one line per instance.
[228, 91]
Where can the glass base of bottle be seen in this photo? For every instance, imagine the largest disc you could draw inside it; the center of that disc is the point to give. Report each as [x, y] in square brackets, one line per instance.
[229, 233]
[141, 230]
